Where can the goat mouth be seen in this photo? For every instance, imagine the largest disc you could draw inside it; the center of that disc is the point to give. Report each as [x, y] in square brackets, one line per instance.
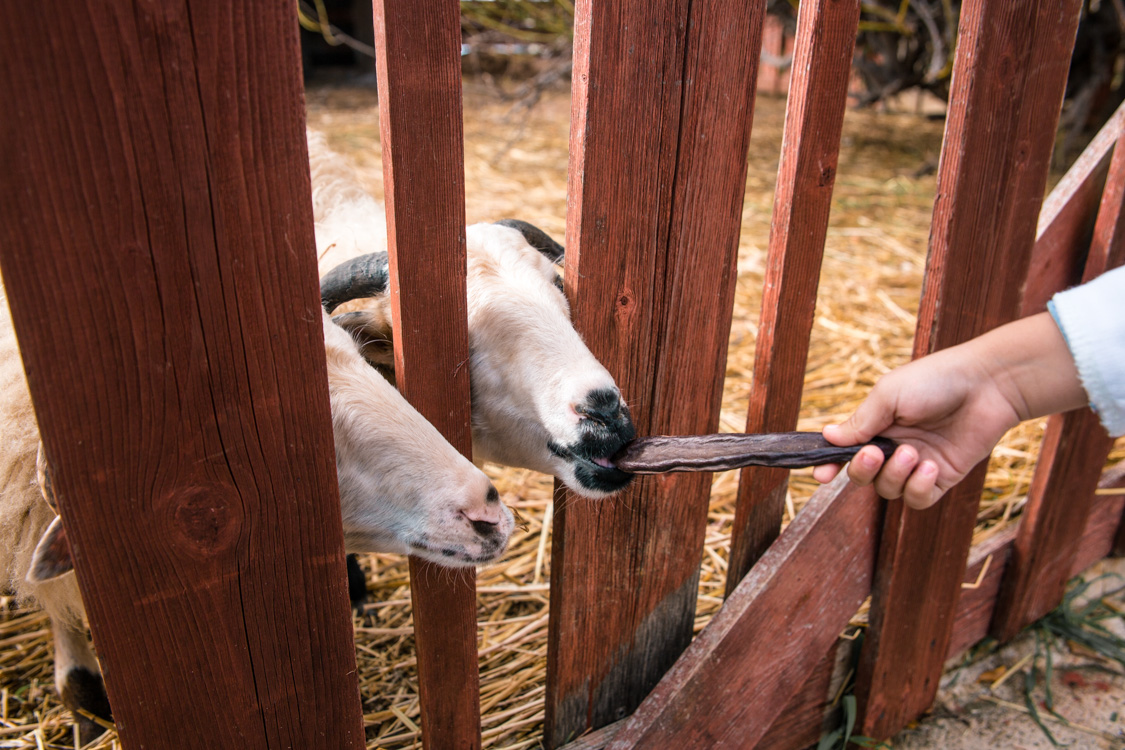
[454, 555]
[593, 473]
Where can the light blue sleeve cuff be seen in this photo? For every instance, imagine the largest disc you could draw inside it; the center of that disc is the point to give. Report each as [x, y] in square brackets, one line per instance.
[1091, 318]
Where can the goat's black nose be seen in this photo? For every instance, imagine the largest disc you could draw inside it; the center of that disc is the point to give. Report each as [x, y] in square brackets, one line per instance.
[602, 405]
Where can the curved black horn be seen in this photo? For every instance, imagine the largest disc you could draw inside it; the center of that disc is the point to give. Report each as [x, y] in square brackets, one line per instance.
[537, 238]
[365, 276]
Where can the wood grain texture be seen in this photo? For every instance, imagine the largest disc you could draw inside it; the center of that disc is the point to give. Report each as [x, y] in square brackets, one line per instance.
[1009, 74]
[979, 588]
[798, 598]
[419, 71]
[814, 116]
[800, 723]
[1066, 223]
[154, 174]
[662, 107]
[1070, 462]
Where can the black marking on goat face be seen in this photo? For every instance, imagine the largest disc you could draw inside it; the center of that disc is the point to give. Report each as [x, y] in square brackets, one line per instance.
[604, 428]
[84, 690]
[537, 238]
[493, 496]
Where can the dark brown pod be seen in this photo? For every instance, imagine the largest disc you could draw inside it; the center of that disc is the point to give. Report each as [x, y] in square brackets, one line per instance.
[787, 450]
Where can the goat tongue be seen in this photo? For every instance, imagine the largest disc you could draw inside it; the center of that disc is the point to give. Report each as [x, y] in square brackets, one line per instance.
[788, 450]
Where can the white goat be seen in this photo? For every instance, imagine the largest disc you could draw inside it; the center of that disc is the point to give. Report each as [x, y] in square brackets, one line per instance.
[540, 399]
[403, 489]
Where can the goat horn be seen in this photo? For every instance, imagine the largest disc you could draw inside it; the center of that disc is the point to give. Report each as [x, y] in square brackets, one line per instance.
[364, 276]
[537, 238]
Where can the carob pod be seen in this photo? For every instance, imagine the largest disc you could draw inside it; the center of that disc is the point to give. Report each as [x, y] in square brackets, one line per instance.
[787, 450]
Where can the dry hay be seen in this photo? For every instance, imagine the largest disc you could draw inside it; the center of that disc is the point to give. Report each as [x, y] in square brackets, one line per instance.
[516, 167]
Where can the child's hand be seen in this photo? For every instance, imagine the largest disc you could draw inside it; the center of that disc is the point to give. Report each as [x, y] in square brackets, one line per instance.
[949, 409]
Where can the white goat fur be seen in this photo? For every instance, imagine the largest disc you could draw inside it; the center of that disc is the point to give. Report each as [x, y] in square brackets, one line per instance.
[529, 366]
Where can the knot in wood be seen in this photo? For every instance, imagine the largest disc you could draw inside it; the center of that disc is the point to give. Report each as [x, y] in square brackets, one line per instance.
[203, 521]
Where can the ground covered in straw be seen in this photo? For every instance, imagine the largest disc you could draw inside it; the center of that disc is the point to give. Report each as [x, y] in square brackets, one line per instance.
[516, 162]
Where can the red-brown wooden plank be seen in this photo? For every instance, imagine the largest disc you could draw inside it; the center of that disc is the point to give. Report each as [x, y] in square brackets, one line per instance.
[419, 72]
[662, 107]
[1009, 74]
[1070, 462]
[158, 259]
[803, 718]
[814, 119]
[798, 598]
[1066, 223]
[979, 589]
[1107, 518]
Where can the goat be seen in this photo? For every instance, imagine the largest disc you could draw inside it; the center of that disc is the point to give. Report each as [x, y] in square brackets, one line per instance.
[540, 399]
[403, 489]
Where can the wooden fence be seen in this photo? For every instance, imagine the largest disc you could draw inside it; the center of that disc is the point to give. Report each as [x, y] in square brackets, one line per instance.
[158, 258]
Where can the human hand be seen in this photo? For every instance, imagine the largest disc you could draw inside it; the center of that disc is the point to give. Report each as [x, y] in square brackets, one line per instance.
[946, 411]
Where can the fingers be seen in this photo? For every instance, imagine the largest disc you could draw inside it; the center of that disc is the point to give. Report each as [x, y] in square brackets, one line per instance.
[865, 465]
[902, 476]
[875, 414]
[921, 489]
[826, 473]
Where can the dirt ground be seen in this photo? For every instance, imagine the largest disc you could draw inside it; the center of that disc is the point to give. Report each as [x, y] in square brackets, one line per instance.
[973, 712]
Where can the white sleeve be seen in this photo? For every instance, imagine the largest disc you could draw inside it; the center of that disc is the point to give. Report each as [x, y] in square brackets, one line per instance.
[1092, 320]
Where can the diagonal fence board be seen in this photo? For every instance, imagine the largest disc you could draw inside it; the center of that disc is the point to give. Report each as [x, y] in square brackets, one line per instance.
[1009, 74]
[821, 72]
[798, 598]
[419, 72]
[1066, 223]
[972, 615]
[662, 106]
[1075, 449]
[160, 174]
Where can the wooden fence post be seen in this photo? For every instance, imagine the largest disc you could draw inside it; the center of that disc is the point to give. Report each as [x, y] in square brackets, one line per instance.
[159, 262]
[419, 72]
[662, 106]
[814, 120]
[1070, 463]
[1009, 74]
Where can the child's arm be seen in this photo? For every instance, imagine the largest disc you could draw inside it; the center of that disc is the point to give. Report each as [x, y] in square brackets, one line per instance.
[950, 408]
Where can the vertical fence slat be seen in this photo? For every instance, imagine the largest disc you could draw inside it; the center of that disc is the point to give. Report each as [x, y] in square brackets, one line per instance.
[662, 107]
[721, 693]
[1009, 74]
[159, 262]
[1067, 219]
[1070, 462]
[814, 120]
[419, 72]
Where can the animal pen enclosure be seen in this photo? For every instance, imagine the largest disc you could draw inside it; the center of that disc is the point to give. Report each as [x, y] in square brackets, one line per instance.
[158, 172]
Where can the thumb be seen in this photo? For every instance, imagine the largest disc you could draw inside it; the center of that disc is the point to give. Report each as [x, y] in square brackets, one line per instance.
[874, 415]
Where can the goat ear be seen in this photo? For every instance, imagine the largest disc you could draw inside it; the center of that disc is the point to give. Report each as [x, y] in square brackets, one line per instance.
[51, 558]
[537, 238]
[372, 332]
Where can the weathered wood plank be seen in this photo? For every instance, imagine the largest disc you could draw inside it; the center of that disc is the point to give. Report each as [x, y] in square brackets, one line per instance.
[1070, 462]
[156, 181]
[652, 237]
[1009, 74]
[419, 72]
[979, 588]
[723, 694]
[1107, 518]
[1066, 223]
[801, 721]
[814, 119]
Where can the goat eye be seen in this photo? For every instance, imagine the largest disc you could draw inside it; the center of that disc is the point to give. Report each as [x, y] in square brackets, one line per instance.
[559, 283]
